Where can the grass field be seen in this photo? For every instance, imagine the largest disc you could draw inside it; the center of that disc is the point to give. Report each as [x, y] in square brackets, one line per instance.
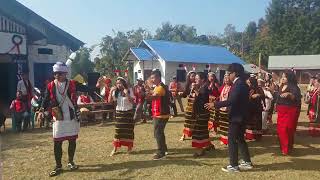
[30, 156]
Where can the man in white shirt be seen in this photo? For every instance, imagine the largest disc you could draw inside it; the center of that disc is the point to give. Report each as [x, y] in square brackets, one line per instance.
[24, 85]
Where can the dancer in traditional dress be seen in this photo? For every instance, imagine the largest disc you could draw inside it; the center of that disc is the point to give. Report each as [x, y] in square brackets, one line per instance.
[254, 121]
[189, 115]
[314, 125]
[288, 102]
[213, 96]
[223, 119]
[61, 99]
[124, 97]
[200, 132]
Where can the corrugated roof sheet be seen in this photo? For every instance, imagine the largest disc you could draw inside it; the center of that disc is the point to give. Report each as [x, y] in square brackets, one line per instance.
[185, 52]
[252, 68]
[296, 62]
[142, 54]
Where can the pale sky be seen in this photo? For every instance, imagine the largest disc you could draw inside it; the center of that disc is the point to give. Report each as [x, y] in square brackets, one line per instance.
[90, 20]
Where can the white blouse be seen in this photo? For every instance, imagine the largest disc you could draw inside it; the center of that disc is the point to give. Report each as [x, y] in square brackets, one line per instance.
[123, 103]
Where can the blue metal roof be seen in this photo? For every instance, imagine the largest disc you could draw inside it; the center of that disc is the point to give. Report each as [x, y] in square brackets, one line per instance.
[142, 54]
[185, 52]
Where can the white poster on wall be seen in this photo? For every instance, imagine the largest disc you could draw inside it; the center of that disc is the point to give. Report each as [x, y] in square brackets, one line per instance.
[12, 43]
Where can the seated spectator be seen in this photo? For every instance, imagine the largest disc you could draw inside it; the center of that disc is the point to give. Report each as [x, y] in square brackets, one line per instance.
[84, 98]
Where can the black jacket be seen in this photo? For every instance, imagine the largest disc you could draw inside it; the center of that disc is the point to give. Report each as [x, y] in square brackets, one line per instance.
[237, 102]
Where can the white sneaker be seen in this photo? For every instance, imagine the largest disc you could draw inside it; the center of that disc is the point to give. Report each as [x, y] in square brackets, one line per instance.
[231, 169]
[245, 165]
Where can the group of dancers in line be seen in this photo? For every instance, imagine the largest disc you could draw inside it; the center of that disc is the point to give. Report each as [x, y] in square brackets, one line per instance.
[240, 108]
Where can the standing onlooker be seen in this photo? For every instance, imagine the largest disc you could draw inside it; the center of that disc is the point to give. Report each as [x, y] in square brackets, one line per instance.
[237, 103]
[266, 105]
[272, 86]
[25, 86]
[175, 88]
[139, 93]
[309, 93]
[103, 84]
[35, 105]
[314, 125]
[160, 112]
[148, 86]
[256, 101]
[20, 113]
[288, 104]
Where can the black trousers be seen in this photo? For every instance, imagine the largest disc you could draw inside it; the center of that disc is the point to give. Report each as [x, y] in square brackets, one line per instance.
[21, 118]
[58, 151]
[235, 140]
[159, 126]
[174, 108]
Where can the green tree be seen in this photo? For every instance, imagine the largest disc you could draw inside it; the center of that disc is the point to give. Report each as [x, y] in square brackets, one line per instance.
[113, 49]
[294, 26]
[82, 63]
[177, 33]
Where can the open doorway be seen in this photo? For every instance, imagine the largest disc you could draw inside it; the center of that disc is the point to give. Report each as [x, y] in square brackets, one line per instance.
[8, 81]
[42, 72]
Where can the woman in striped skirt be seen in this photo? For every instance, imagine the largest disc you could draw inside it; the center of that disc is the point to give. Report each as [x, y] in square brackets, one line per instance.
[200, 133]
[222, 116]
[213, 96]
[189, 115]
[124, 98]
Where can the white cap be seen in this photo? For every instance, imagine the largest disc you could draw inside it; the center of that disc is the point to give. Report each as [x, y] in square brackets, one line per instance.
[60, 67]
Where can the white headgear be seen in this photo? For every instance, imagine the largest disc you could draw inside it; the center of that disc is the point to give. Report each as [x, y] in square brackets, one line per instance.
[60, 67]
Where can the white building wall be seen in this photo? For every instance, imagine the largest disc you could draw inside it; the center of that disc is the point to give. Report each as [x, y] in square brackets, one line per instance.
[169, 69]
[146, 65]
[59, 53]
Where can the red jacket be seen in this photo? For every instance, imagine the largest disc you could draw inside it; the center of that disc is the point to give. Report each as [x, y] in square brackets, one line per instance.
[18, 106]
[85, 99]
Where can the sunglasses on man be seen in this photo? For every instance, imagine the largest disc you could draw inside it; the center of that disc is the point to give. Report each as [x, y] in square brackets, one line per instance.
[59, 73]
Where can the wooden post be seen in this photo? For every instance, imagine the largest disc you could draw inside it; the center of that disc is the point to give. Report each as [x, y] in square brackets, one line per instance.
[259, 60]
[144, 78]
